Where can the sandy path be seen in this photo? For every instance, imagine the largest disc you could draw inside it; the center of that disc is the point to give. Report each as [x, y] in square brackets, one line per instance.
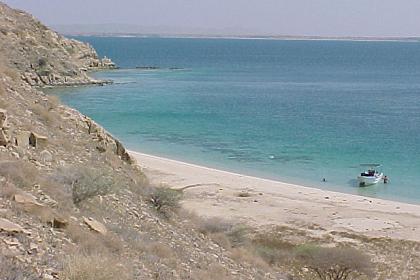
[215, 193]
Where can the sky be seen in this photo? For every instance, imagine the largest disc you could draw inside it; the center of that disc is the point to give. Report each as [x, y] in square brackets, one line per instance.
[381, 18]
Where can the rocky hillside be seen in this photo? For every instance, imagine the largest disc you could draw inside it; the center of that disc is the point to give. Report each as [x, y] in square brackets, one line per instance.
[42, 56]
[73, 205]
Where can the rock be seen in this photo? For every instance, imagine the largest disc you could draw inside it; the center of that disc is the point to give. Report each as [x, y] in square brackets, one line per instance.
[8, 226]
[95, 225]
[59, 222]
[26, 198]
[32, 206]
[22, 139]
[37, 141]
[4, 139]
[46, 157]
[3, 118]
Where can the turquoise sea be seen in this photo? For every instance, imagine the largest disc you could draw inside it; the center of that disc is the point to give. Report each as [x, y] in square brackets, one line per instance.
[295, 111]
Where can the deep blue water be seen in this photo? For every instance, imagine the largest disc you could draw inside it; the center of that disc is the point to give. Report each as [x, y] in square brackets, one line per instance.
[297, 111]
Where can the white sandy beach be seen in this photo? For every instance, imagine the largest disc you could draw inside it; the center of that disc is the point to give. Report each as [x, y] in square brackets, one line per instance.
[215, 193]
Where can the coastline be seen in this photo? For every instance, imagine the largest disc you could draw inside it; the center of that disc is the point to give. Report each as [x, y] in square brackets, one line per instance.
[262, 202]
[233, 37]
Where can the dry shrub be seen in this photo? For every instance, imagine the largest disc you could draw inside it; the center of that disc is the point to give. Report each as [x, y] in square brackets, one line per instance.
[213, 225]
[164, 199]
[272, 249]
[86, 182]
[238, 236]
[43, 113]
[222, 232]
[20, 173]
[94, 267]
[244, 255]
[335, 263]
[160, 250]
[8, 189]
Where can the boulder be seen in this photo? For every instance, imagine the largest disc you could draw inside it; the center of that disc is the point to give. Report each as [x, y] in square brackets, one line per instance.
[8, 226]
[59, 221]
[95, 225]
[38, 141]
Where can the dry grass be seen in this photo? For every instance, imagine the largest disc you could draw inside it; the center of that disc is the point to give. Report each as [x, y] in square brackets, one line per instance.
[213, 225]
[94, 267]
[53, 102]
[8, 189]
[44, 113]
[89, 242]
[20, 173]
[161, 250]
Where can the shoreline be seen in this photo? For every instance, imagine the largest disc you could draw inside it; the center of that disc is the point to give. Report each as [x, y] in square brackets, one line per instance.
[271, 38]
[263, 202]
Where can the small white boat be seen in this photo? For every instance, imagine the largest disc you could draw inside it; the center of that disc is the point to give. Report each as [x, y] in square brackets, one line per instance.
[371, 176]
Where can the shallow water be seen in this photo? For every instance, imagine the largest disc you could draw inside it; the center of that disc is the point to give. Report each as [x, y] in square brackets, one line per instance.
[296, 111]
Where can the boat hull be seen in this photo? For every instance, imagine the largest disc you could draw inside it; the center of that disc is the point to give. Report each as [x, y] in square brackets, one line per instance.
[370, 180]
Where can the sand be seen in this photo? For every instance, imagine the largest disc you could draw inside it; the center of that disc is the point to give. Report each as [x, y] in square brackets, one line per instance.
[261, 202]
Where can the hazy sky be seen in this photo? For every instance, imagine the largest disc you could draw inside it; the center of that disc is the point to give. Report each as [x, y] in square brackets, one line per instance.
[280, 17]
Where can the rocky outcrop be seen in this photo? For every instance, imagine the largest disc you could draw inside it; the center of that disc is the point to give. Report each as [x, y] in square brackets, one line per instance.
[10, 227]
[44, 57]
[105, 141]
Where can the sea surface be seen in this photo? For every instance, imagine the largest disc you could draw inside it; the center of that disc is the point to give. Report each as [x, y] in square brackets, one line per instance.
[295, 111]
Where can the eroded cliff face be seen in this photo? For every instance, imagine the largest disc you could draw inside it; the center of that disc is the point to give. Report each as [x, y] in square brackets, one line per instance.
[42, 56]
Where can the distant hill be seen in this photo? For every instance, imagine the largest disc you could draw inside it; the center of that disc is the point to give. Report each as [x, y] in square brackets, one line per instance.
[190, 32]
